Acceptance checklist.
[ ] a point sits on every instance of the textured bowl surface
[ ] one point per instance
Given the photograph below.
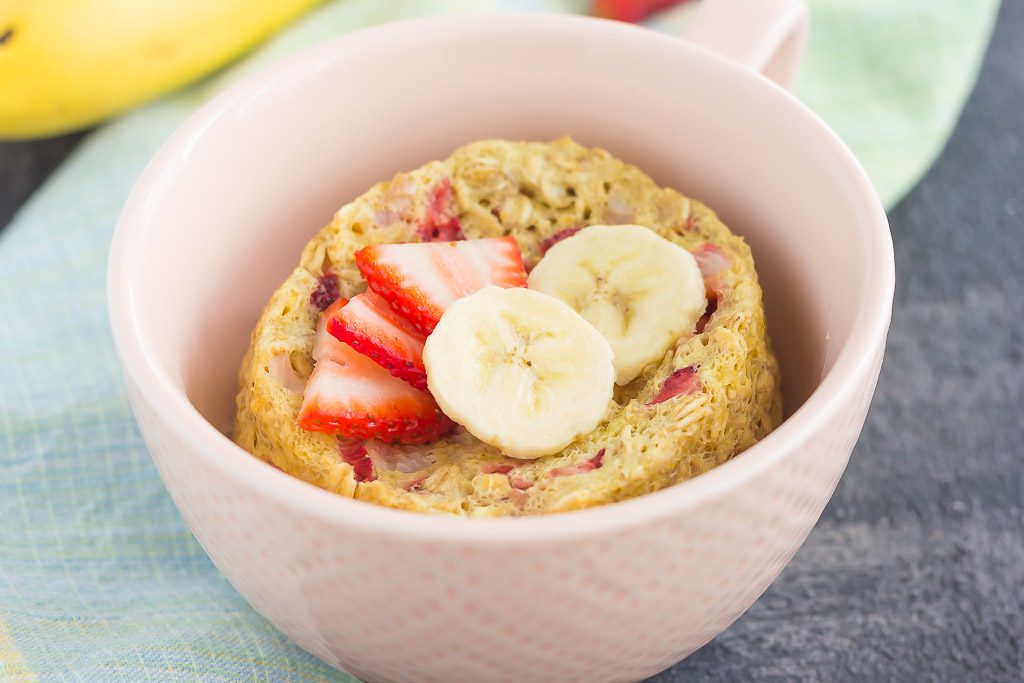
(614, 593)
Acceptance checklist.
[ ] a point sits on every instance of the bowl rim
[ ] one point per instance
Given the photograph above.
(157, 387)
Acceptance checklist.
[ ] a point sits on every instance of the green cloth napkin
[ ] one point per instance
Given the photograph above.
(99, 578)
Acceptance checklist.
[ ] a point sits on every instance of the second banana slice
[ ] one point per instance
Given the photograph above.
(641, 291)
(519, 370)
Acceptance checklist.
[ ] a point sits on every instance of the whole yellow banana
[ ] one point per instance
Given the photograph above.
(66, 64)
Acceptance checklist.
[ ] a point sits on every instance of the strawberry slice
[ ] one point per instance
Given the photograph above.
(359, 399)
(420, 281)
(369, 326)
(351, 395)
(629, 10)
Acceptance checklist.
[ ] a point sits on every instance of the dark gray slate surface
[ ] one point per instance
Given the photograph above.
(23, 165)
(916, 569)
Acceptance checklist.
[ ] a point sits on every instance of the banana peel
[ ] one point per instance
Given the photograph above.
(68, 64)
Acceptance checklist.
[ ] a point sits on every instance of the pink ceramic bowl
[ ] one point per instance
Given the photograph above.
(609, 594)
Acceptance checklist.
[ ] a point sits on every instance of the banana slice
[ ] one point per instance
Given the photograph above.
(639, 290)
(520, 370)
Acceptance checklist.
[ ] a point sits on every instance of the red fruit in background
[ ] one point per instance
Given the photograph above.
(629, 10)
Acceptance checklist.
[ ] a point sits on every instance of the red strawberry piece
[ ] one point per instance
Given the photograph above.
(354, 453)
(325, 292)
(441, 202)
(495, 468)
(680, 383)
(557, 237)
(368, 325)
(420, 281)
(417, 483)
(711, 259)
(629, 10)
(712, 293)
(585, 466)
(447, 231)
(519, 483)
(441, 224)
(349, 394)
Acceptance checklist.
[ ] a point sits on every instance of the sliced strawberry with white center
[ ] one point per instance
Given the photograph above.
(359, 399)
(351, 395)
(369, 325)
(420, 281)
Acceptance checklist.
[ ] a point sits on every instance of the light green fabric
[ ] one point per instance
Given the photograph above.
(99, 578)
(890, 76)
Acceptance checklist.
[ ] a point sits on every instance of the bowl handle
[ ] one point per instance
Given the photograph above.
(767, 36)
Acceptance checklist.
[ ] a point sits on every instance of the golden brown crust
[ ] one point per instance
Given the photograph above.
(530, 191)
